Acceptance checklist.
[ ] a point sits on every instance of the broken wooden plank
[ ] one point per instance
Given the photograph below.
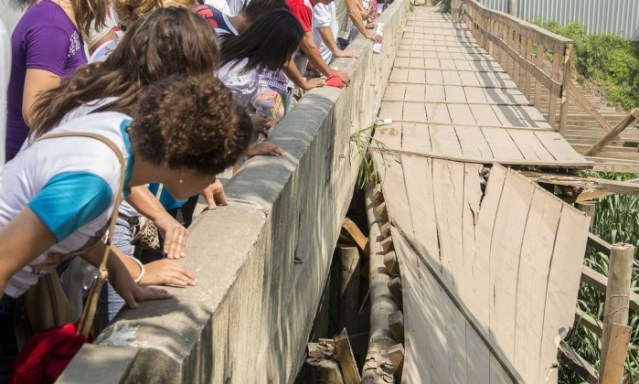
(588, 322)
(356, 234)
(612, 363)
(346, 359)
(623, 124)
(585, 183)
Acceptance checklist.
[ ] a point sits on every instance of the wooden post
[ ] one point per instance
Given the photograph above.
(349, 289)
(557, 62)
(616, 307)
(564, 103)
(539, 62)
(356, 234)
(623, 124)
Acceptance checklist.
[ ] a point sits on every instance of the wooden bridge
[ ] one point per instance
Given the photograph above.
(490, 260)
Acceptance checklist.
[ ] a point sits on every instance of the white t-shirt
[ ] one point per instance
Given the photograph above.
(70, 183)
(243, 85)
(5, 69)
(324, 16)
(221, 5)
(235, 6)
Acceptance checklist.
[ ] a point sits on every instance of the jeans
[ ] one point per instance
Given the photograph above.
(110, 302)
(8, 345)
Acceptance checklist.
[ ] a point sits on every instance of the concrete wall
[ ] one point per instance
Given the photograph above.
(261, 262)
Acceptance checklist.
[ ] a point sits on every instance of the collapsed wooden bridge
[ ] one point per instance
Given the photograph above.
(490, 261)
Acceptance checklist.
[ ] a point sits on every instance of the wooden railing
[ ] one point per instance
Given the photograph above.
(535, 58)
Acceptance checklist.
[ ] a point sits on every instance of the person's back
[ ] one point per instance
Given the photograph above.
(44, 39)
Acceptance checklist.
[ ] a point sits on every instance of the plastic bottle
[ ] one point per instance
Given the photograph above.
(377, 47)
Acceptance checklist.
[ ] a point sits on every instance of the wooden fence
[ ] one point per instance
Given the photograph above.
(536, 59)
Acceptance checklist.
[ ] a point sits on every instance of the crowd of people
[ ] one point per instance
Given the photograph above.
(180, 90)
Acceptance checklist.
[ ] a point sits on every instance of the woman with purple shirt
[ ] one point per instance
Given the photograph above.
(46, 46)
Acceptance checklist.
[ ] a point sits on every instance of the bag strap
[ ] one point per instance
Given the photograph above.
(91, 306)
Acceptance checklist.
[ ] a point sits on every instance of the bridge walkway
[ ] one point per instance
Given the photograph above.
(490, 262)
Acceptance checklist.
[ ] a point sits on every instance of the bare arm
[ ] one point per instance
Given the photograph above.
(327, 36)
(21, 241)
(314, 57)
(355, 12)
(36, 81)
(294, 74)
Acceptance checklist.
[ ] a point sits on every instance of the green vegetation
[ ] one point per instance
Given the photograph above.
(616, 220)
(611, 62)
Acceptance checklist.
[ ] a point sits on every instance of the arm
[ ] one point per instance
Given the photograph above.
(120, 277)
(36, 81)
(355, 12)
(294, 74)
(175, 235)
(22, 240)
(327, 36)
(314, 57)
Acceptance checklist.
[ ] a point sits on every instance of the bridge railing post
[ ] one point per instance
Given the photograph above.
(564, 103)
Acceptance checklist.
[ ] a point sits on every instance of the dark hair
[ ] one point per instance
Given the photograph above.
(166, 41)
(256, 9)
(190, 122)
(267, 43)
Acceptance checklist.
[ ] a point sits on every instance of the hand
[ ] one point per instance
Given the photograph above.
(375, 37)
(371, 25)
(341, 53)
(167, 272)
(214, 195)
(313, 83)
(128, 289)
(260, 123)
(265, 148)
(344, 76)
(175, 236)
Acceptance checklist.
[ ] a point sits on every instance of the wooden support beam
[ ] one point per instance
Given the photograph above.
(382, 212)
(356, 234)
(584, 103)
(616, 310)
(604, 247)
(387, 244)
(349, 289)
(385, 229)
(600, 282)
(577, 363)
(396, 325)
(346, 359)
(390, 261)
(396, 355)
(588, 322)
(623, 124)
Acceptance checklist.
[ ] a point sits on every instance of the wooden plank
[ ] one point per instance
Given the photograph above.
(473, 143)
(435, 94)
(586, 184)
(448, 187)
(600, 282)
(530, 146)
(623, 124)
(507, 238)
(416, 137)
(502, 145)
(444, 140)
(392, 179)
(484, 115)
(415, 112)
(455, 94)
(356, 234)
(395, 92)
(461, 114)
(535, 255)
(346, 359)
(419, 187)
(558, 146)
(563, 284)
(612, 367)
(588, 322)
(415, 92)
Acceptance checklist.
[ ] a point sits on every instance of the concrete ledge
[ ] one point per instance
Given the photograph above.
(261, 262)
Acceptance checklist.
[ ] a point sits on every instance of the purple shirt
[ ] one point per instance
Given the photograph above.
(44, 38)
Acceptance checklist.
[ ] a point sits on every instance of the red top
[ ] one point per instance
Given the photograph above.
(303, 10)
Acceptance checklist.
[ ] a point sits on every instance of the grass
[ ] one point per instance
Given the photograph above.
(611, 62)
(616, 220)
(368, 170)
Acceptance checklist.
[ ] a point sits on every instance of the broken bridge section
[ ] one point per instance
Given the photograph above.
(490, 261)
